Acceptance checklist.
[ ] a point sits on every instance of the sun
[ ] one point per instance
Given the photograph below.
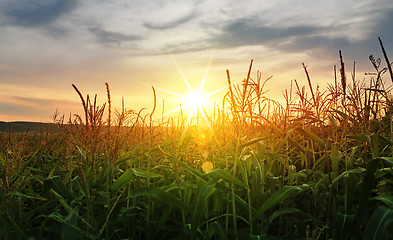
(195, 101)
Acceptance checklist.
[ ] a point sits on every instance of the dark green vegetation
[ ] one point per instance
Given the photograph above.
(317, 167)
(25, 126)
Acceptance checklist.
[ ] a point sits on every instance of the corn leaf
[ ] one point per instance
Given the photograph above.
(56, 184)
(280, 212)
(201, 205)
(351, 171)
(145, 174)
(123, 180)
(311, 135)
(387, 199)
(277, 197)
(379, 224)
(226, 176)
(161, 195)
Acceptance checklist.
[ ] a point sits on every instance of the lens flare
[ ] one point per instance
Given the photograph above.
(196, 101)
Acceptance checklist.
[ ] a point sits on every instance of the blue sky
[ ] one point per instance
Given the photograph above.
(46, 45)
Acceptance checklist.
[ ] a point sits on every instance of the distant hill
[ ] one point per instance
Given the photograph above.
(25, 126)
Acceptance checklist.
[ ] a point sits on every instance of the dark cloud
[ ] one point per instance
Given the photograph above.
(170, 24)
(108, 37)
(302, 43)
(242, 33)
(37, 13)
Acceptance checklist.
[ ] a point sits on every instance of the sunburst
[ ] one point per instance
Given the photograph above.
(195, 100)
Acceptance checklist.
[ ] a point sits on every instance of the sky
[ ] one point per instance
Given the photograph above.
(48, 45)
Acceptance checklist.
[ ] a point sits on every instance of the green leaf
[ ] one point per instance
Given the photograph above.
(387, 199)
(378, 225)
(265, 236)
(189, 169)
(161, 195)
(335, 157)
(361, 137)
(68, 232)
(226, 176)
(145, 174)
(201, 205)
(56, 184)
(69, 209)
(16, 193)
(311, 135)
(344, 223)
(219, 230)
(277, 197)
(16, 226)
(351, 171)
(280, 212)
(123, 180)
(388, 160)
(59, 218)
(367, 186)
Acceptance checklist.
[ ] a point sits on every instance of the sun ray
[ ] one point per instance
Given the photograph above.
(196, 100)
(164, 90)
(172, 111)
(182, 74)
(202, 84)
(216, 91)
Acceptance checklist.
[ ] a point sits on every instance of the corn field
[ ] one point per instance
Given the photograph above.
(319, 166)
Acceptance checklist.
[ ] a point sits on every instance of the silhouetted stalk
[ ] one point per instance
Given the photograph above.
(83, 103)
(309, 83)
(343, 77)
(232, 97)
(245, 85)
(386, 59)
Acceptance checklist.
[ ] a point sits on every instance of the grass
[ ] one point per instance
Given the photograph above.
(317, 167)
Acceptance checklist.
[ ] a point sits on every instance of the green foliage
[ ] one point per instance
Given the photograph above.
(319, 167)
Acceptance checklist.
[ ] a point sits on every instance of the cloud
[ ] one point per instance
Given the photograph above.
(37, 13)
(109, 37)
(17, 108)
(170, 15)
(170, 24)
(242, 33)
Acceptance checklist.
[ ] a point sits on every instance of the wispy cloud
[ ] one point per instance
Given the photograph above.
(170, 14)
(109, 37)
(243, 33)
(37, 13)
